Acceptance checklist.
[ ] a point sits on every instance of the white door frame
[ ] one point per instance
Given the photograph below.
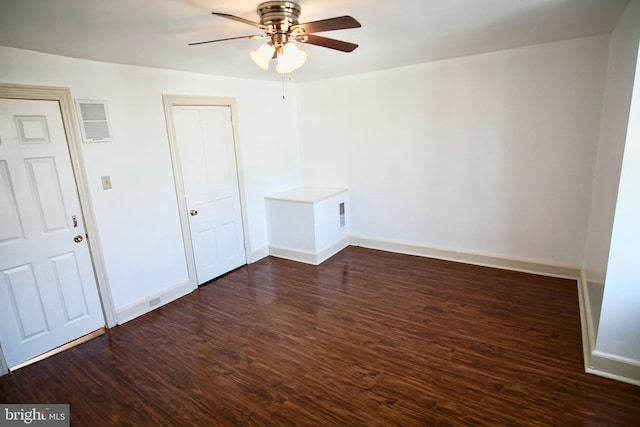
(170, 101)
(63, 96)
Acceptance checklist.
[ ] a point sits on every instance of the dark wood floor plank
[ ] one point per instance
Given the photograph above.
(367, 338)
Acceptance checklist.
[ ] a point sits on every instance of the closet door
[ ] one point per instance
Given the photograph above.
(206, 148)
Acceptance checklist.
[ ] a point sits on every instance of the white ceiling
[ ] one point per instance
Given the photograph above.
(155, 33)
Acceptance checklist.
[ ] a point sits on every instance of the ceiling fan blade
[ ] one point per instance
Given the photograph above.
(339, 23)
(237, 18)
(229, 38)
(327, 42)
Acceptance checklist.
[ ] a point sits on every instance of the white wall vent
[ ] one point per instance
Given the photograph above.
(94, 120)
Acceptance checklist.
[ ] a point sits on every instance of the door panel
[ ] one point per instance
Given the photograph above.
(204, 138)
(48, 293)
(43, 179)
(206, 248)
(230, 245)
(67, 274)
(10, 226)
(26, 301)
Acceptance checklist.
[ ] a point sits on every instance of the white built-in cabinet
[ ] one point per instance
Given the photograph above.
(308, 224)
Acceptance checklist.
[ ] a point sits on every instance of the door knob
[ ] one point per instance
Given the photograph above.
(193, 212)
(77, 238)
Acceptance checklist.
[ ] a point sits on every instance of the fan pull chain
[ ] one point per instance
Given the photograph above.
(282, 75)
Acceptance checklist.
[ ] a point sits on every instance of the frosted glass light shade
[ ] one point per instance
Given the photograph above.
(262, 56)
(290, 59)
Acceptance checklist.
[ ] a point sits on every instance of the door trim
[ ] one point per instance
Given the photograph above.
(63, 96)
(170, 101)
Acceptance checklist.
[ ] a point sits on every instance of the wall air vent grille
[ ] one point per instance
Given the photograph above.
(94, 121)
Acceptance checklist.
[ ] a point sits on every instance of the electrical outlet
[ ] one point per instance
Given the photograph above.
(106, 183)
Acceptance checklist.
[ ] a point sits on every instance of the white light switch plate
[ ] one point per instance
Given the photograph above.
(106, 183)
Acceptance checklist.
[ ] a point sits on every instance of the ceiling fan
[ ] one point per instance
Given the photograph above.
(279, 22)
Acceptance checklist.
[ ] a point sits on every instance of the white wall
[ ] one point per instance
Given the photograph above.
(619, 332)
(613, 129)
(491, 154)
(138, 218)
(618, 337)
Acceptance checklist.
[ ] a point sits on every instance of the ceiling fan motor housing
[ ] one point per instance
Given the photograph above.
(279, 14)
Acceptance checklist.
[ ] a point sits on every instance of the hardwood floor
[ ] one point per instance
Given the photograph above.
(367, 338)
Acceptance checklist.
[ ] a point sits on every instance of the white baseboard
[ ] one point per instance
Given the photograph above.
(588, 313)
(586, 321)
(138, 309)
(614, 367)
(598, 362)
(293, 255)
(314, 258)
(257, 255)
(331, 250)
(525, 266)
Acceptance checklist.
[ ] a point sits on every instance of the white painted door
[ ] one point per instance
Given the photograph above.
(204, 136)
(48, 293)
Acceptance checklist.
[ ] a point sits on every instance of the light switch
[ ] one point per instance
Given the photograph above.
(106, 183)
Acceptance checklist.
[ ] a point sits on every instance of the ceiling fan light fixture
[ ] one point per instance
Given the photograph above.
(262, 56)
(279, 22)
(291, 58)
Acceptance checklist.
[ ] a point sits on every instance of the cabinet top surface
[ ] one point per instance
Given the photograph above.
(306, 194)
